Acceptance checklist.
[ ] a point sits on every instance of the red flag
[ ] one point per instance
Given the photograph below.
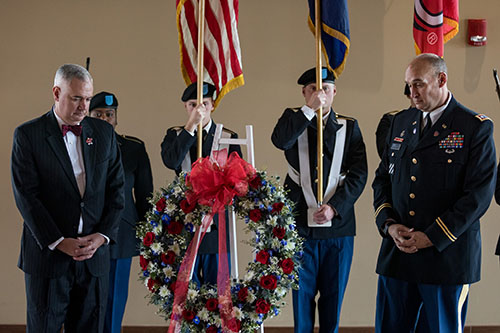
(222, 54)
(434, 23)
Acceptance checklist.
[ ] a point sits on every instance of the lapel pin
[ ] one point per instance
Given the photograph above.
(444, 125)
(414, 123)
(436, 133)
(89, 141)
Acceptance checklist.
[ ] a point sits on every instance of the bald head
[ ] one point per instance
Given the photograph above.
(427, 77)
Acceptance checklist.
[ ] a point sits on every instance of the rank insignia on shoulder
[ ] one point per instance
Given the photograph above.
(483, 117)
(452, 141)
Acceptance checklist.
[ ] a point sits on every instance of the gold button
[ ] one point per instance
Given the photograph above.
(414, 160)
(449, 161)
(392, 154)
(412, 213)
(412, 196)
(413, 178)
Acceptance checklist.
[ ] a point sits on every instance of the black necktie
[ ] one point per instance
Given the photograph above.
(76, 129)
(427, 127)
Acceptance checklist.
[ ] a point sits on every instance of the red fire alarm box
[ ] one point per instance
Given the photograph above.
(476, 34)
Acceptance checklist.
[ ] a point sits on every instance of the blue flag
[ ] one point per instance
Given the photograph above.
(334, 32)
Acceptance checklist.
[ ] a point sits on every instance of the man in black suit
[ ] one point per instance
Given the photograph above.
(138, 186)
(67, 179)
(435, 181)
(179, 151)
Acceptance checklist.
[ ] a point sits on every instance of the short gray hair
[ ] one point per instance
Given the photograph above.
(68, 72)
(434, 61)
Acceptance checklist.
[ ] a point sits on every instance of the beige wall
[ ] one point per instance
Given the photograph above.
(134, 50)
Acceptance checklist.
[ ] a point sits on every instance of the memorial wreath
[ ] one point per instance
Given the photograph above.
(181, 213)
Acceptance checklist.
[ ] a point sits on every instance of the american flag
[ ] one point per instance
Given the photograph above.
(222, 54)
(434, 23)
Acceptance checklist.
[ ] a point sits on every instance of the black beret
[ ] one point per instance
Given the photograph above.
(407, 90)
(191, 91)
(309, 76)
(104, 100)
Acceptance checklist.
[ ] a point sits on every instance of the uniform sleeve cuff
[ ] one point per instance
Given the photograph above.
(308, 112)
(54, 245)
(105, 237)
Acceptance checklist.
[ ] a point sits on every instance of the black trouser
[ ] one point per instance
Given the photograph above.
(77, 299)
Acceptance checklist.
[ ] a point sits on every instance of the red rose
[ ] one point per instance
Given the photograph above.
(188, 315)
(161, 204)
(175, 227)
(279, 232)
(262, 257)
(186, 207)
(144, 263)
(211, 304)
(255, 215)
(277, 207)
(262, 306)
(168, 258)
(287, 265)
(269, 282)
(242, 294)
(211, 329)
(151, 284)
(256, 182)
(148, 239)
(234, 325)
(172, 286)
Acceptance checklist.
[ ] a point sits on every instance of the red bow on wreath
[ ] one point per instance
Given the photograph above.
(212, 183)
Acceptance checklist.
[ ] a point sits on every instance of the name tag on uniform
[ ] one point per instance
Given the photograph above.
(395, 146)
(310, 220)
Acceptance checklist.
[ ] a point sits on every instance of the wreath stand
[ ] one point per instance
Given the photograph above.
(219, 143)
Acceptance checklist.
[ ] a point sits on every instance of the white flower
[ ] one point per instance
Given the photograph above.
(170, 207)
(247, 204)
(290, 246)
(175, 248)
(273, 221)
(280, 292)
(275, 244)
(164, 292)
(156, 247)
(192, 294)
(249, 275)
(158, 229)
(189, 218)
(250, 297)
(177, 190)
(237, 313)
(168, 271)
(254, 316)
(203, 314)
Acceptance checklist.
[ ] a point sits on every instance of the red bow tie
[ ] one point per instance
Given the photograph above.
(76, 129)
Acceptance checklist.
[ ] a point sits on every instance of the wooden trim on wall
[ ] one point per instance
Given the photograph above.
(160, 329)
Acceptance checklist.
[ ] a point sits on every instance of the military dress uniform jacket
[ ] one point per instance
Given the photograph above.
(176, 144)
(497, 199)
(440, 184)
(138, 188)
(48, 197)
(290, 126)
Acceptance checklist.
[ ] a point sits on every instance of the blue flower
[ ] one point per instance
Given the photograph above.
(196, 320)
(167, 280)
(283, 242)
(157, 212)
(291, 227)
(153, 223)
(165, 218)
(276, 311)
(145, 273)
(189, 227)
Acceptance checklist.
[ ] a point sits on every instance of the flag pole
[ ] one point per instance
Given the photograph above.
(319, 116)
(201, 44)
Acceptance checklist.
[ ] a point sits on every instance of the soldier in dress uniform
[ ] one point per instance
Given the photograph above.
(385, 124)
(433, 184)
(497, 199)
(328, 230)
(179, 151)
(138, 185)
